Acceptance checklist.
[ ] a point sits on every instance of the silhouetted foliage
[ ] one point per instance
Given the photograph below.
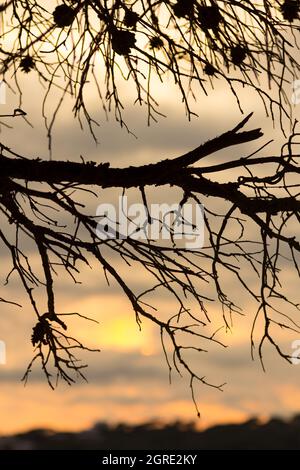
(72, 44)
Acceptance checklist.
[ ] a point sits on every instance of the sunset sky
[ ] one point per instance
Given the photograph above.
(128, 379)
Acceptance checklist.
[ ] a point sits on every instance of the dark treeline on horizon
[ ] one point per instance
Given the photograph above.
(252, 434)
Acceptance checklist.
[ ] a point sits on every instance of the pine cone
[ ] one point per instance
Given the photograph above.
(122, 41)
(40, 330)
(27, 64)
(238, 54)
(63, 15)
(130, 19)
(209, 17)
(184, 8)
(290, 10)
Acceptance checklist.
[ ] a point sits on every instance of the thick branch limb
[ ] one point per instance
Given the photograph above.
(167, 172)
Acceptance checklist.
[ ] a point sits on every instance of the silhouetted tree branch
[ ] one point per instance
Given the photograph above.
(181, 272)
(74, 44)
(196, 43)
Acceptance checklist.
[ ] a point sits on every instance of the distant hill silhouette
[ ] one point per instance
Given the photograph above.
(274, 434)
